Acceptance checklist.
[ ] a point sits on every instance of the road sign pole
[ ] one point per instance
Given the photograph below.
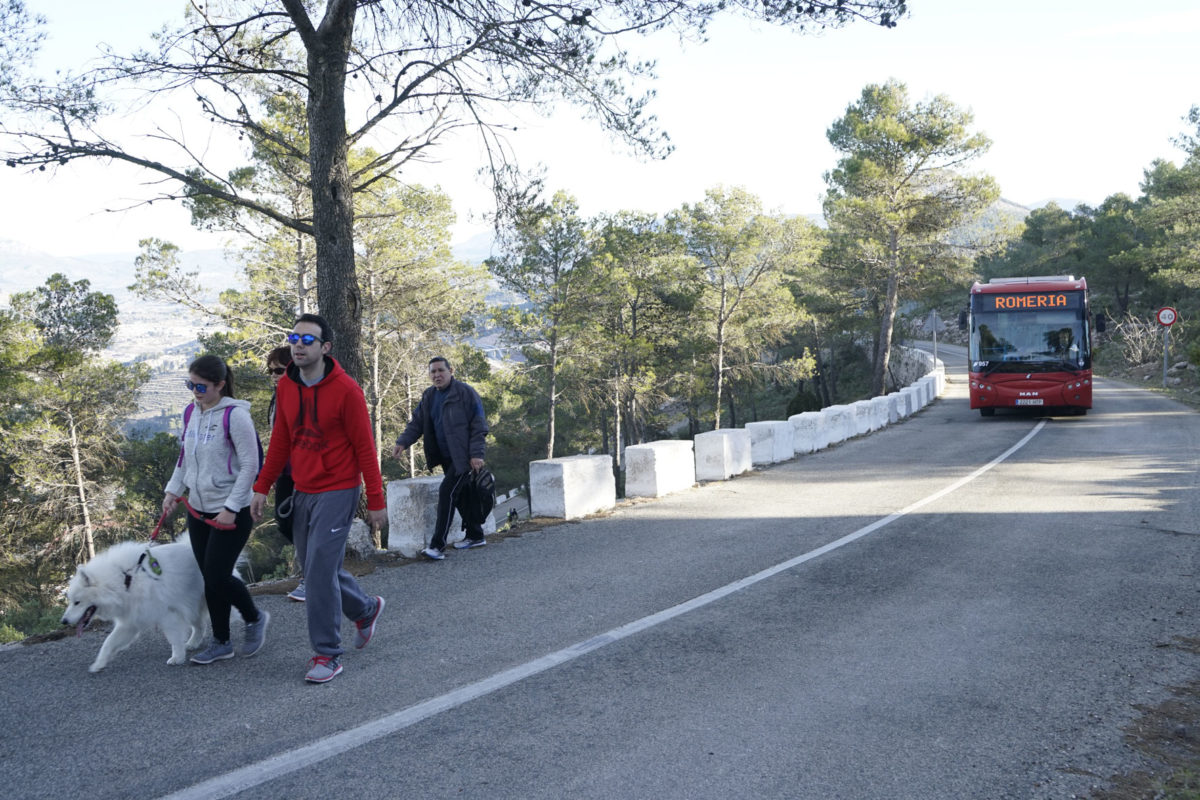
(1166, 351)
(1166, 317)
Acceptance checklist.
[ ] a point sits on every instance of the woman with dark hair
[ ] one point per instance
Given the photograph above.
(218, 461)
(277, 361)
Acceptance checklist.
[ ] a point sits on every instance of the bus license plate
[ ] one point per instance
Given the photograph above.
(1029, 401)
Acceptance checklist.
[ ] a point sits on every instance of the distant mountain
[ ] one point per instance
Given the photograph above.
(23, 268)
(1065, 203)
(475, 249)
(158, 333)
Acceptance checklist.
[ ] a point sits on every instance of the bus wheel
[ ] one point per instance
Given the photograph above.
(987, 412)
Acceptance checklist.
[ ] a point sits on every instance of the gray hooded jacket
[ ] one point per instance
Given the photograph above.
(205, 472)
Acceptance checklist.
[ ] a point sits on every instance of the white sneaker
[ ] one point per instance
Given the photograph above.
(433, 554)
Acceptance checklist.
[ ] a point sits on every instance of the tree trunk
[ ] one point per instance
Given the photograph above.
(303, 280)
(410, 406)
(373, 389)
(720, 378)
(617, 452)
(89, 538)
(553, 396)
(887, 321)
(333, 207)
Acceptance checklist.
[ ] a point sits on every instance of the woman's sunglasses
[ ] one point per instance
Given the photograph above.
(198, 388)
(305, 338)
(276, 370)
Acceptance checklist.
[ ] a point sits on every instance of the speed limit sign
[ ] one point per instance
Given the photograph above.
(1166, 316)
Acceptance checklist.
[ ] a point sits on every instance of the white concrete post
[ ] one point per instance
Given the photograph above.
(862, 416)
(770, 442)
(806, 431)
(879, 412)
(722, 453)
(658, 468)
(895, 405)
(571, 487)
(842, 425)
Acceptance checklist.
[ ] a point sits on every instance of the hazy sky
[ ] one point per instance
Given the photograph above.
(1078, 97)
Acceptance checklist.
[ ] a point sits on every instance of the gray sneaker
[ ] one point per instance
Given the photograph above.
(433, 554)
(297, 594)
(322, 669)
(467, 544)
(364, 628)
(216, 651)
(256, 635)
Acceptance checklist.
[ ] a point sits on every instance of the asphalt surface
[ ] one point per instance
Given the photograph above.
(951, 607)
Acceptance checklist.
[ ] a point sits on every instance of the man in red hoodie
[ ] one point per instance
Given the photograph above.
(323, 428)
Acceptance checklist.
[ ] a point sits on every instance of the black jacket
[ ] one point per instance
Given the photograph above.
(463, 422)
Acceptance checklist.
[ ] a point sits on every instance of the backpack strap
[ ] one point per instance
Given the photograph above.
(229, 438)
(187, 417)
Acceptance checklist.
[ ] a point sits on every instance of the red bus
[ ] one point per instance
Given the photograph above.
(1030, 344)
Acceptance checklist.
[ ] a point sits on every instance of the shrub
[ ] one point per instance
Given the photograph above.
(803, 401)
(1139, 341)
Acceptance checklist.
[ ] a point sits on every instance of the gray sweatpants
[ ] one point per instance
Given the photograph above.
(320, 525)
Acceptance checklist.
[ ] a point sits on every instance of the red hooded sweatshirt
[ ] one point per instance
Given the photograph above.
(325, 432)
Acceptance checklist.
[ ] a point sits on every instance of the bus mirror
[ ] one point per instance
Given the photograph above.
(962, 320)
(1100, 322)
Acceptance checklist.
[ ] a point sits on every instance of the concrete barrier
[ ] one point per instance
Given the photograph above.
(908, 364)
(806, 432)
(658, 468)
(412, 515)
(722, 453)
(928, 387)
(894, 407)
(571, 487)
(770, 442)
(862, 416)
(840, 423)
(879, 412)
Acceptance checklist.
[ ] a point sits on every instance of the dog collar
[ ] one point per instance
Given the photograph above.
(146, 561)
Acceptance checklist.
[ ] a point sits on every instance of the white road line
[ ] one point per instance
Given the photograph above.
(288, 762)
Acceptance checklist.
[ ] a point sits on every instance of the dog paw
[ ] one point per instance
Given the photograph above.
(173, 661)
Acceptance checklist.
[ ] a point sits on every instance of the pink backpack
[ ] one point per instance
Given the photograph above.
(187, 417)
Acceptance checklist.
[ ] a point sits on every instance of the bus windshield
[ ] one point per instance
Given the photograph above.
(1029, 341)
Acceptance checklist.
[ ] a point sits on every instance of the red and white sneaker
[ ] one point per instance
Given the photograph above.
(365, 628)
(322, 669)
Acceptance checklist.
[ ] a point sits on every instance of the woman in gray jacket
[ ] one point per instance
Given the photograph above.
(218, 461)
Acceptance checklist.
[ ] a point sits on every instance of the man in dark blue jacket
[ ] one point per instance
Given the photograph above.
(450, 418)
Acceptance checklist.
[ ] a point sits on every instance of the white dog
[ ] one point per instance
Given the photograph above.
(140, 588)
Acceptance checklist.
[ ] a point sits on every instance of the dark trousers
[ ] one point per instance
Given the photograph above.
(450, 498)
(216, 552)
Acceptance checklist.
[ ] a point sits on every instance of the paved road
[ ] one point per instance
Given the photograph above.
(953, 607)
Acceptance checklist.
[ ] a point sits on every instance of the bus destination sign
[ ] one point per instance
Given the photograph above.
(1040, 301)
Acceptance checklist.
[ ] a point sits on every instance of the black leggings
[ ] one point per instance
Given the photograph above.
(216, 552)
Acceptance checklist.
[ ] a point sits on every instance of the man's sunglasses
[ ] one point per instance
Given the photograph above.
(198, 388)
(276, 370)
(305, 338)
